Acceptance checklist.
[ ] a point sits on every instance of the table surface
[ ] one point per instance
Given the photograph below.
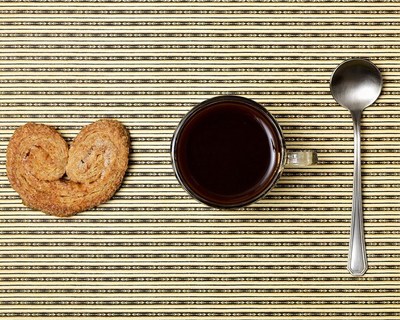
(153, 252)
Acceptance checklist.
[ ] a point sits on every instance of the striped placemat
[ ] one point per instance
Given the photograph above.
(153, 252)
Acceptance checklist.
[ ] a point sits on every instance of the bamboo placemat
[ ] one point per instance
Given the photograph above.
(153, 251)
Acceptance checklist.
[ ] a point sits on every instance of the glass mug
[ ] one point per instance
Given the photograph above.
(229, 151)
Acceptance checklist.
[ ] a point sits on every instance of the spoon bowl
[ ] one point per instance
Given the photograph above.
(356, 84)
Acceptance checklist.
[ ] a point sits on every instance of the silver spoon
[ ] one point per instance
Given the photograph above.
(356, 84)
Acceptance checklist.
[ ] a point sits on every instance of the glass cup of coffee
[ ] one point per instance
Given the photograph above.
(229, 151)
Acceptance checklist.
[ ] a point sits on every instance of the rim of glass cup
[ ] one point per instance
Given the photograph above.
(204, 104)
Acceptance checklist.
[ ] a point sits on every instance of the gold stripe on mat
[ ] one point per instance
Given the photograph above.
(153, 252)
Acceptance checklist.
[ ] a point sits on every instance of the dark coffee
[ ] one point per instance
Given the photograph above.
(227, 151)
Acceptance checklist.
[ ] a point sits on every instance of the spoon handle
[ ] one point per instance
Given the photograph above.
(357, 264)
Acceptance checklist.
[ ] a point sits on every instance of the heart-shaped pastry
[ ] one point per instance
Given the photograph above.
(63, 181)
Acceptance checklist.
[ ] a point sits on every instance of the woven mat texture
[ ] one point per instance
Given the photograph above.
(153, 252)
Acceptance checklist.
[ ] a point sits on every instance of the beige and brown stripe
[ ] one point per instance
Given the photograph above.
(155, 253)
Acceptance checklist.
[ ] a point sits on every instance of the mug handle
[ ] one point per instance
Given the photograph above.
(301, 158)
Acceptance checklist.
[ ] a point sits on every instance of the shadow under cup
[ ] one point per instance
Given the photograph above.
(228, 151)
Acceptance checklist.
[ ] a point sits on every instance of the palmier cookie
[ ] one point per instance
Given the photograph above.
(63, 181)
